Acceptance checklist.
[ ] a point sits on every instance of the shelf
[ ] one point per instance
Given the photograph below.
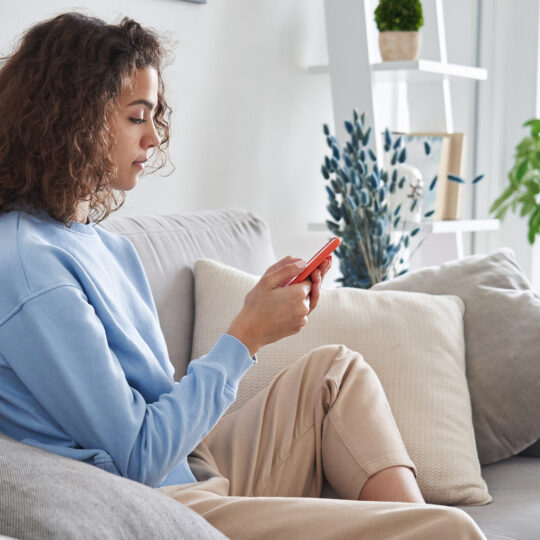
(416, 70)
(464, 225)
(440, 227)
(429, 69)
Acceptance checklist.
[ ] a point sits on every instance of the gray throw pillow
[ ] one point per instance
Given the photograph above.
(48, 496)
(502, 343)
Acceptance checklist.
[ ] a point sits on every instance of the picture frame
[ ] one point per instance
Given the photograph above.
(445, 157)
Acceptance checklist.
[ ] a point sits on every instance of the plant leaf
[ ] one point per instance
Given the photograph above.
(535, 126)
(534, 225)
(507, 193)
(387, 138)
(521, 170)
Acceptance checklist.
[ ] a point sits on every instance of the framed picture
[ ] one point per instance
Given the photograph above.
(445, 157)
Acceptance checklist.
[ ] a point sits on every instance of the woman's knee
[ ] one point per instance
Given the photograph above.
(337, 363)
(338, 352)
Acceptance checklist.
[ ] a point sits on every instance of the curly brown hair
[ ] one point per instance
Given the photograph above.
(58, 92)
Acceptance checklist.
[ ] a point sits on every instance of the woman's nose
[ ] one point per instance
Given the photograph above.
(151, 138)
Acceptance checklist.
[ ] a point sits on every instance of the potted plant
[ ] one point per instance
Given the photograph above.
(375, 226)
(524, 188)
(398, 22)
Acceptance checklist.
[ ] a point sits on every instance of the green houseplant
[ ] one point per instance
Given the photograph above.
(399, 22)
(524, 188)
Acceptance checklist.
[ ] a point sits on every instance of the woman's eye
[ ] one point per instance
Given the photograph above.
(138, 120)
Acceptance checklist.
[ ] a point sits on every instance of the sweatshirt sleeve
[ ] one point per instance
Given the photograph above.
(58, 348)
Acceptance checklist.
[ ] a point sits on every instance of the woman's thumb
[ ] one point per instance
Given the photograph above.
(286, 273)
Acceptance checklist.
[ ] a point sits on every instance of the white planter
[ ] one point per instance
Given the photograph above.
(399, 45)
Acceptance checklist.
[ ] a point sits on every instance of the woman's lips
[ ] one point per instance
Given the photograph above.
(139, 165)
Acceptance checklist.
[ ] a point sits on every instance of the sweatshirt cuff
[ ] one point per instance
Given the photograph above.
(233, 355)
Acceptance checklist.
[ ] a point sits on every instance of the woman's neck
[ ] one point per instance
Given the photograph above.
(82, 211)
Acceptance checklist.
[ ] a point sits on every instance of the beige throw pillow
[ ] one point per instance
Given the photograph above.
(413, 341)
(502, 344)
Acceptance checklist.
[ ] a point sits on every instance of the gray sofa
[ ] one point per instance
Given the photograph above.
(46, 496)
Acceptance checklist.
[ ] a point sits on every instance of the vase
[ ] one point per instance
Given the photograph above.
(399, 45)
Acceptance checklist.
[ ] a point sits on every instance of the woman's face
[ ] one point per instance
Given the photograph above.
(134, 128)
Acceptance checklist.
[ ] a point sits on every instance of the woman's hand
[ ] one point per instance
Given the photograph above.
(316, 281)
(271, 311)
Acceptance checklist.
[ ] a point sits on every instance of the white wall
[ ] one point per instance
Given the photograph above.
(247, 121)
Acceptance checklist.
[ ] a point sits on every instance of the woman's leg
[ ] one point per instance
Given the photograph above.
(327, 413)
(298, 518)
(263, 464)
(392, 484)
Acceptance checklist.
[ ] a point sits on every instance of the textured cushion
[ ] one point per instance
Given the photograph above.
(168, 246)
(413, 341)
(502, 337)
(48, 496)
(513, 514)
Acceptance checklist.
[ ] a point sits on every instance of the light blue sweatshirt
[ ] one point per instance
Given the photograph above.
(84, 369)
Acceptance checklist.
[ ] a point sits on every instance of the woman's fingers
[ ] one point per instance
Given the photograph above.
(316, 281)
(325, 266)
(282, 262)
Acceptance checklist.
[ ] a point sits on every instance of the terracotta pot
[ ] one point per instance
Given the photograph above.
(399, 45)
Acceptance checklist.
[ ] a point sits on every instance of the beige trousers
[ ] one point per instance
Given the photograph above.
(261, 469)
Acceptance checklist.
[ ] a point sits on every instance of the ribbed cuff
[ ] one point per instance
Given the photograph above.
(233, 355)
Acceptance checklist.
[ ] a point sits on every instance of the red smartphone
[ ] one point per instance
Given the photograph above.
(316, 260)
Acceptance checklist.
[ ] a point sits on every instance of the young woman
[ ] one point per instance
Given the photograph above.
(84, 370)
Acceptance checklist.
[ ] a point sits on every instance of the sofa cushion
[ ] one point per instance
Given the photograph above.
(502, 337)
(168, 246)
(413, 341)
(513, 514)
(44, 495)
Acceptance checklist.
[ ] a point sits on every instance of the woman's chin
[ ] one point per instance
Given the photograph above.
(126, 184)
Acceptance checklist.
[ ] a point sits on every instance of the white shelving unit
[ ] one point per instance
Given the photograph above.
(416, 70)
(424, 70)
(356, 72)
(356, 77)
(447, 243)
